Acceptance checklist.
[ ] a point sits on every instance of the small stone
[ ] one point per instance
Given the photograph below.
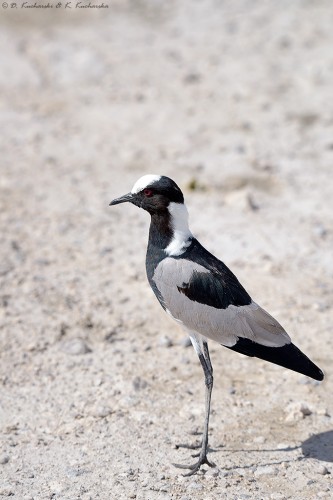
(4, 459)
(282, 446)
(101, 411)
(323, 411)
(72, 472)
(195, 486)
(111, 336)
(259, 440)
(165, 341)
(320, 306)
(266, 471)
(242, 199)
(297, 411)
(322, 470)
(212, 472)
(186, 342)
(139, 384)
(191, 78)
(56, 488)
(320, 231)
(75, 347)
(6, 490)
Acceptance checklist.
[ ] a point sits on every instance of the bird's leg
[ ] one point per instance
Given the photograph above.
(207, 358)
(204, 358)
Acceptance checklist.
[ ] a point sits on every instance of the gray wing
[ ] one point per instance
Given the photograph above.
(225, 324)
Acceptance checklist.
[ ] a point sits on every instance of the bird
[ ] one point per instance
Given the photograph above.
(202, 294)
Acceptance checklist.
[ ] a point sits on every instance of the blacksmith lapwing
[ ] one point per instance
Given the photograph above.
(199, 291)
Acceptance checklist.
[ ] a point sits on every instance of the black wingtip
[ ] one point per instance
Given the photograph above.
(320, 374)
(288, 356)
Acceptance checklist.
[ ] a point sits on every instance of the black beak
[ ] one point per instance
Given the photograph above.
(127, 197)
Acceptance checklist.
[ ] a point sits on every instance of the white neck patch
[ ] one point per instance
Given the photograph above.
(143, 182)
(181, 232)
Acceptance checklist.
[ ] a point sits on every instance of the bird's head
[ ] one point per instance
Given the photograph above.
(153, 193)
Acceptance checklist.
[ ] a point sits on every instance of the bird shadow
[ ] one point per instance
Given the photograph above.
(319, 446)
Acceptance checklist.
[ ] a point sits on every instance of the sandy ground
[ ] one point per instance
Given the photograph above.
(232, 99)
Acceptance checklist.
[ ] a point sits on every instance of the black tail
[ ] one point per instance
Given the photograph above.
(288, 356)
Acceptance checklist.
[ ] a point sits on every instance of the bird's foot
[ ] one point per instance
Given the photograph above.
(195, 467)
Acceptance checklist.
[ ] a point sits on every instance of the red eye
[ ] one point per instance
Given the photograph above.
(148, 192)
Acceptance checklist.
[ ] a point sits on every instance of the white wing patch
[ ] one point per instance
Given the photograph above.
(144, 181)
(222, 325)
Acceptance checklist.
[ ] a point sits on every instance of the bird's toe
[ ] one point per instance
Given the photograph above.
(195, 467)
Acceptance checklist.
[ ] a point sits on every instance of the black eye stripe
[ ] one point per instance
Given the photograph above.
(168, 190)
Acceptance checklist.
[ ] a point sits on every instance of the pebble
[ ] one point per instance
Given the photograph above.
(186, 342)
(165, 341)
(56, 488)
(213, 472)
(322, 470)
(259, 440)
(320, 230)
(242, 199)
(139, 383)
(323, 411)
(320, 306)
(72, 472)
(4, 459)
(266, 471)
(297, 411)
(101, 411)
(191, 78)
(282, 446)
(75, 347)
(195, 486)
(6, 491)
